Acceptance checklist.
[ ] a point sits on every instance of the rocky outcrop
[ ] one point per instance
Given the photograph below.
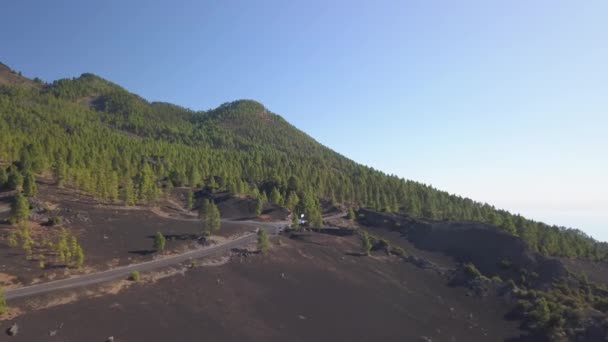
(491, 250)
(13, 330)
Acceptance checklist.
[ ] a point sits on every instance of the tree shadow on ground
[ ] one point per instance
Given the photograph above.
(527, 338)
(250, 218)
(54, 266)
(303, 238)
(142, 252)
(357, 254)
(244, 251)
(175, 237)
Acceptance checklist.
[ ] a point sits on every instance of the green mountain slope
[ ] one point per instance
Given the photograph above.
(96, 136)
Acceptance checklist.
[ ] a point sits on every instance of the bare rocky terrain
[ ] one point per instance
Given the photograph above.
(316, 286)
(300, 291)
(310, 286)
(111, 235)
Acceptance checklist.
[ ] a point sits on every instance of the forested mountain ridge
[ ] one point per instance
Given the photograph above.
(95, 135)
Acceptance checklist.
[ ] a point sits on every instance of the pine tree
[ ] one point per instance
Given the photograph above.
(78, 256)
(332, 198)
(264, 197)
(213, 186)
(413, 206)
(189, 200)
(29, 185)
(177, 177)
(20, 209)
(241, 187)
(211, 220)
(159, 242)
(12, 239)
(3, 306)
(232, 186)
(350, 214)
(60, 172)
(541, 313)
(494, 218)
(15, 179)
(128, 193)
(62, 247)
(73, 246)
(3, 178)
(366, 244)
(203, 209)
(146, 187)
(194, 176)
(429, 208)
(293, 184)
(214, 218)
(113, 187)
(509, 226)
(255, 192)
(27, 243)
(263, 241)
(295, 221)
(259, 206)
(275, 196)
(292, 201)
(310, 207)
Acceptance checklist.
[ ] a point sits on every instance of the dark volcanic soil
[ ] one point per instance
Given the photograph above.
(111, 235)
(300, 291)
(595, 271)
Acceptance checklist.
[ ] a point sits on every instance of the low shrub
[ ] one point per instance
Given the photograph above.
(506, 264)
(135, 276)
(55, 220)
(472, 271)
(497, 279)
(396, 250)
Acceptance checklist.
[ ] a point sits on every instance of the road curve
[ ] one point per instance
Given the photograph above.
(123, 271)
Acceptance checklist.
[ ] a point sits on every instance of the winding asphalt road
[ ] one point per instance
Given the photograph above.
(124, 271)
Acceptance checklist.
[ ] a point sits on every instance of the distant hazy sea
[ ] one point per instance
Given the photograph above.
(594, 223)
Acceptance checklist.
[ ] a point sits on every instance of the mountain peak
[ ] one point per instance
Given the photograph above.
(243, 111)
(245, 106)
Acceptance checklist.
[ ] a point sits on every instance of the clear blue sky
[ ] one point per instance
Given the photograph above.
(501, 101)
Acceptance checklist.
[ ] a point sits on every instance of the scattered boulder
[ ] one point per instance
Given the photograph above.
(424, 264)
(485, 245)
(13, 330)
(241, 252)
